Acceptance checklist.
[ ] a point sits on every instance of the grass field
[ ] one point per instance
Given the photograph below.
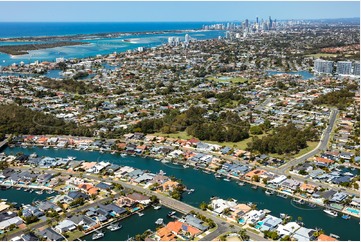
(311, 146)
(318, 55)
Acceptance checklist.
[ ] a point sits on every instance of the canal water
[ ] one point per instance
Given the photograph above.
(20, 196)
(206, 185)
(134, 225)
(305, 74)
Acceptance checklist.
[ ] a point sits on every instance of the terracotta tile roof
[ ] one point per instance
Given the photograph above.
(324, 237)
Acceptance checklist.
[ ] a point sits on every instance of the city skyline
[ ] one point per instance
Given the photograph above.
(174, 11)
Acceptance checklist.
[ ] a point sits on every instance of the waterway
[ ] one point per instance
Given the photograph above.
(136, 225)
(206, 185)
(304, 74)
(104, 46)
(20, 196)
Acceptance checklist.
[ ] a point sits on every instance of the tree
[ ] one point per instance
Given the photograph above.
(203, 206)
(243, 234)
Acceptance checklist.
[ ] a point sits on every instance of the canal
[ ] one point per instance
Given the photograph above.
(206, 185)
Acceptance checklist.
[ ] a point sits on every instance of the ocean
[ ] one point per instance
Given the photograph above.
(97, 46)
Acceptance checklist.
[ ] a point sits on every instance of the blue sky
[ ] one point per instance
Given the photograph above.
(172, 11)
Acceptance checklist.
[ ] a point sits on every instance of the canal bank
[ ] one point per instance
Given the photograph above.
(206, 186)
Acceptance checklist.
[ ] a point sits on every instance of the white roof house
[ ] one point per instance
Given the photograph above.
(287, 229)
(304, 234)
(6, 223)
(219, 205)
(65, 225)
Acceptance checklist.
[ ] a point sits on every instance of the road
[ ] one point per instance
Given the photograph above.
(222, 225)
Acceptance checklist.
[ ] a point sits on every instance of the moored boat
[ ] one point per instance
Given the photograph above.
(346, 216)
(159, 221)
(330, 212)
(114, 227)
(170, 214)
(241, 183)
(97, 235)
(269, 192)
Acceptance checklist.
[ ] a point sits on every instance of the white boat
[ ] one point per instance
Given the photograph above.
(114, 227)
(282, 195)
(190, 191)
(98, 235)
(241, 183)
(123, 155)
(140, 214)
(226, 179)
(39, 192)
(159, 221)
(330, 212)
(254, 187)
(170, 214)
(164, 161)
(218, 176)
(71, 158)
(46, 147)
(185, 166)
(207, 172)
(335, 236)
(33, 155)
(269, 192)
(299, 201)
(157, 207)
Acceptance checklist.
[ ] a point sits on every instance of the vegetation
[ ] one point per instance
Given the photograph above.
(70, 85)
(20, 120)
(285, 139)
(23, 49)
(340, 99)
(225, 127)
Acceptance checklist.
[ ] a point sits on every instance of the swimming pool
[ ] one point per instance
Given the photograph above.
(352, 210)
(259, 224)
(241, 221)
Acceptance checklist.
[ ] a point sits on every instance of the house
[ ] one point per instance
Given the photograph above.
(239, 210)
(256, 172)
(270, 223)
(338, 197)
(113, 209)
(47, 205)
(44, 178)
(305, 187)
(290, 184)
(104, 186)
(51, 235)
(5, 224)
(287, 229)
(277, 180)
(77, 194)
(254, 216)
(65, 226)
(323, 161)
(29, 237)
(304, 234)
(219, 205)
(179, 229)
(137, 197)
(195, 222)
(84, 221)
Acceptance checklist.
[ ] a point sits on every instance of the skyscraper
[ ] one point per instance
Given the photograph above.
(323, 66)
(356, 68)
(246, 23)
(186, 38)
(344, 67)
(270, 22)
(257, 20)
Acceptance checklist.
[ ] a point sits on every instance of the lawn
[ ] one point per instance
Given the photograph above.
(318, 55)
(74, 235)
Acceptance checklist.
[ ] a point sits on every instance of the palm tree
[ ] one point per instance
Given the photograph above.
(242, 233)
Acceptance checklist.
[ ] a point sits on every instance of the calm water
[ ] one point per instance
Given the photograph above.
(305, 74)
(135, 225)
(20, 196)
(206, 185)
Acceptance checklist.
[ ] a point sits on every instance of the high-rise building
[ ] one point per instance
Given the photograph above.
(344, 67)
(270, 22)
(187, 38)
(170, 40)
(323, 66)
(257, 20)
(228, 35)
(246, 23)
(356, 69)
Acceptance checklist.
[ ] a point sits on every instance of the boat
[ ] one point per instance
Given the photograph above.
(190, 191)
(140, 214)
(299, 201)
(269, 192)
(97, 235)
(49, 191)
(185, 166)
(71, 158)
(241, 183)
(312, 205)
(330, 212)
(352, 168)
(218, 176)
(226, 179)
(114, 227)
(26, 189)
(157, 207)
(18, 188)
(335, 236)
(170, 214)
(113, 152)
(39, 192)
(31, 190)
(46, 147)
(346, 216)
(164, 161)
(282, 195)
(254, 187)
(159, 221)
(33, 155)
(207, 172)
(195, 168)
(123, 155)
(250, 204)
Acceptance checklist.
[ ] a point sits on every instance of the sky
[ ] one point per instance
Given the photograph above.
(172, 11)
